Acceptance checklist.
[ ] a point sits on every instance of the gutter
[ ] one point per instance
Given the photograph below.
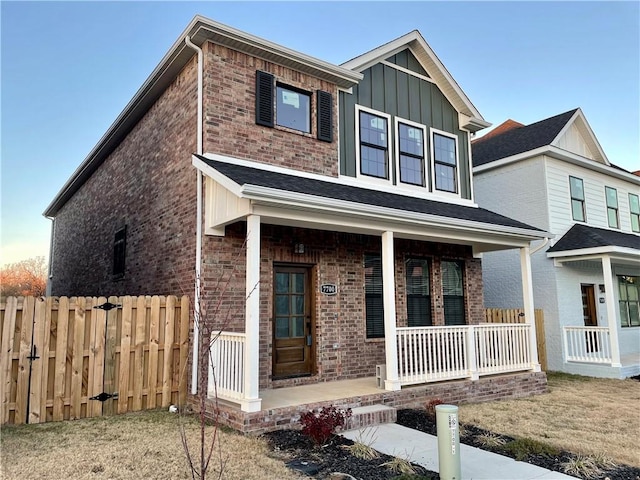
(198, 260)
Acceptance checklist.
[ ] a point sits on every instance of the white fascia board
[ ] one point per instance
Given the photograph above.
(294, 199)
(345, 180)
(588, 253)
(223, 180)
(509, 160)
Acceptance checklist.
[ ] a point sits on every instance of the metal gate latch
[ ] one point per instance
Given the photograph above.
(103, 397)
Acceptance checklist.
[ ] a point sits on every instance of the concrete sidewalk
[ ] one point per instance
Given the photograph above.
(422, 448)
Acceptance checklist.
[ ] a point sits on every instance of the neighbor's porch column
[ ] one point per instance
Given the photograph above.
(389, 301)
(612, 317)
(529, 309)
(251, 402)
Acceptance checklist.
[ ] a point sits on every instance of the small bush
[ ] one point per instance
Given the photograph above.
(431, 405)
(400, 465)
(582, 467)
(319, 427)
(490, 440)
(521, 448)
(362, 448)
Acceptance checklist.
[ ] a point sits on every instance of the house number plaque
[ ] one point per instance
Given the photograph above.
(328, 289)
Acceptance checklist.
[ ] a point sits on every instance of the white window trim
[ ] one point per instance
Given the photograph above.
(432, 132)
(368, 178)
(584, 201)
(425, 158)
(607, 207)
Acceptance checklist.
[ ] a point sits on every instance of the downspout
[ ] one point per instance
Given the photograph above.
(539, 247)
(196, 298)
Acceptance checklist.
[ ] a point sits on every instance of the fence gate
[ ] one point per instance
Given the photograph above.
(68, 358)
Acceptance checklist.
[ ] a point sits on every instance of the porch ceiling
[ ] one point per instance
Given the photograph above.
(324, 203)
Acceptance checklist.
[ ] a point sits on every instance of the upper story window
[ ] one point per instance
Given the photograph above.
(418, 292)
(576, 187)
(411, 152)
(373, 138)
(293, 108)
(119, 251)
(612, 207)
(444, 148)
(634, 208)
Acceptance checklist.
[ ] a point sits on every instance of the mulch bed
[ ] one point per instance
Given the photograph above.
(323, 462)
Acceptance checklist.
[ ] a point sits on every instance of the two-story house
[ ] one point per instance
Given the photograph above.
(330, 216)
(554, 174)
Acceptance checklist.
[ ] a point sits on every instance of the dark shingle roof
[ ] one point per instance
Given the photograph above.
(243, 175)
(582, 236)
(519, 140)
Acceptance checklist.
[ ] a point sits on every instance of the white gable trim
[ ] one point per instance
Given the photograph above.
(590, 138)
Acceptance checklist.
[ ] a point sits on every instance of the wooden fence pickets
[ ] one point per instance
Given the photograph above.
(138, 351)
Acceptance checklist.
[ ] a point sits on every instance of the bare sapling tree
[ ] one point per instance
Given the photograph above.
(211, 317)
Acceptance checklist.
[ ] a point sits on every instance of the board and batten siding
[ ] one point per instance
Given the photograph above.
(560, 219)
(399, 94)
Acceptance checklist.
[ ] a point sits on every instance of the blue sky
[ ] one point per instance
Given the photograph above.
(69, 68)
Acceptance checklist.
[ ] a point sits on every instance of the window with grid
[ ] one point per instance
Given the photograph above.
(629, 300)
(374, 305)
(453, 292)
(411, 154)
(374, 145)
(418, 292)
(634, 209)
(612, 207)
(576, 188)
(445, 160)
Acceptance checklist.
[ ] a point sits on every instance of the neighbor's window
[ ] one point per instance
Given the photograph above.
(374, 145)
(119, 251)
(293, 109)
(576, 188)
(418, 292)
(411, 154)
(612, 207)
(453, 292)
(374, 305)
(634, 208)
(445, 162)
(629, 300)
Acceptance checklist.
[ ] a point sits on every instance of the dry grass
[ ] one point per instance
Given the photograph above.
(131, 446)
(584, 415)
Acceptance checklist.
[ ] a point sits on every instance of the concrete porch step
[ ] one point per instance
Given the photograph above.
(370, 415)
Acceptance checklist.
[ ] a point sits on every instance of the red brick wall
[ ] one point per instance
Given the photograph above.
(230, 123)
(147, 184)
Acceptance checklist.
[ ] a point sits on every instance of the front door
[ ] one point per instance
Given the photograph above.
(292, 322)
(589, 315)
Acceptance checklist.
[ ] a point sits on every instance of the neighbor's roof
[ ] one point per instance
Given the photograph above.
(243, 175)
(519, 139)
(581, 237)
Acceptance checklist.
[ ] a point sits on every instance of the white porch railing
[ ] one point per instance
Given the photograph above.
(587, 344)
(226, 369)
(431, 354)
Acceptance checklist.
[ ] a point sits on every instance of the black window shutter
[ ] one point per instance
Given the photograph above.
(264, 98)
(325, 117)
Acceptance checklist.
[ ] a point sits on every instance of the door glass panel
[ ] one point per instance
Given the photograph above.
(297, 304)
(298, 283)
(282, 283)
(297, 324)
(282, 327)
(282, 305)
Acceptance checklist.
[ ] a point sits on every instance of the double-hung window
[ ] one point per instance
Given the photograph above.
(373, 137)
(418, 292)
(612, 207)
(634, 209)
(576, 188)
(410, 153)
(629, 300)
(374, 306)
(444, 149)
(453, 292)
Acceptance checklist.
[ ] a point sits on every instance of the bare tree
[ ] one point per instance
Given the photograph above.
(25, 278)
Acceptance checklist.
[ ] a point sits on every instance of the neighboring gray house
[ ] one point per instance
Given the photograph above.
(554, 175)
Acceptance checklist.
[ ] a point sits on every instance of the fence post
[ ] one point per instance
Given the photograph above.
(472, 361)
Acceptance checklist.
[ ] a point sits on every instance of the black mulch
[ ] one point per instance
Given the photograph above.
(322, 462)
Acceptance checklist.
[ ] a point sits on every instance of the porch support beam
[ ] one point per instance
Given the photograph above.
(250, 401)
(529, 309)
(612, 317)
(389, 300)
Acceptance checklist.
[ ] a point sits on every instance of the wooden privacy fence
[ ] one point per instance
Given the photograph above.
(68, 358)
(516, 315)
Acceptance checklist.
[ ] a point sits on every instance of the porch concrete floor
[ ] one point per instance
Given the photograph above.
(318, 392)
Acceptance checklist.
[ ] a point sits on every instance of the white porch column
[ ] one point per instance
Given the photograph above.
(250, 401)
(389, 300)
(612, 317)
(529, 309)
